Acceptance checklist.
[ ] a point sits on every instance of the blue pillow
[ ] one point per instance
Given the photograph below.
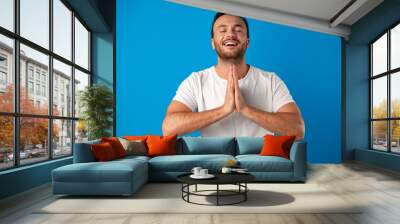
(249, 145)
(206, 145)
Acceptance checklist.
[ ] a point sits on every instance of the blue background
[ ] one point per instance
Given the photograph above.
(158, 44)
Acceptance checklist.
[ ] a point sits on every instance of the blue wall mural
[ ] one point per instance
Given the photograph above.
(160, 43)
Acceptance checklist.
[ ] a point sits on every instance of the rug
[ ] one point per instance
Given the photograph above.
(167, 198)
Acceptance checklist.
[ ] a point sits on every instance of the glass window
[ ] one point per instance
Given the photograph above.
(81, 45)
(379, 56)
(62, 29)
(385, 88)
(37, 89)
(62, 72)
(7, 14)
(34, 80)
(62, 137)
(6, 73)
(395, 95)
(40, 62)
(379, 135)
(3, 78)
(34, 21)
(3, 60)
(30, 72)
(6, 142)
(379, 100)
(43, 90)
(33, 140)
(395, 47)
(30, 87)
(81, 81)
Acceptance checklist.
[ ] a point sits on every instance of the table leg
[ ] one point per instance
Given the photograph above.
(217, 194)
(196, 188)
(245, 193)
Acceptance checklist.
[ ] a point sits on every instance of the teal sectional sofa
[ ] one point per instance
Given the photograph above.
(125, 176)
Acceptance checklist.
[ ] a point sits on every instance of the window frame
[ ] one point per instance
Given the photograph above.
(388, 74)
(16, 114)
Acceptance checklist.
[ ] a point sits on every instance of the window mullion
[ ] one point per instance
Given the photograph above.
(389, 112)
(73, 82)
(50, 80)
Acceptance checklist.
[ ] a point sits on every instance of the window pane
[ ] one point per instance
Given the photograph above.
(81, 45)
(34, 78)
(379, 55)
(7, 14)
(35, 21)
(395, 136)
(379, 135)
(6, 74)
(81, 131)
(81, 81)
(33, 140)
(395, 94)
(62, 89)
(395, 47)
(6, 142)
(379, 100)
(62, 29)
(62, 137)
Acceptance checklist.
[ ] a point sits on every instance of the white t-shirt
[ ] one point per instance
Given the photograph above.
(205, 90)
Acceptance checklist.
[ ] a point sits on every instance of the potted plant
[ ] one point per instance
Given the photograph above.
(96, 102)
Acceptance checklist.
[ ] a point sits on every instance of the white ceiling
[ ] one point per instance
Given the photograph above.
(327, 16)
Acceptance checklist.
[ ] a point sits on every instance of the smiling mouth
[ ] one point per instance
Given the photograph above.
(230, 43)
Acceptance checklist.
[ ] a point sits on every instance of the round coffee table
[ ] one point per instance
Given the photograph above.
(238, 179)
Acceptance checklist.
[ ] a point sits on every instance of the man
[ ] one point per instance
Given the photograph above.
(233, 98)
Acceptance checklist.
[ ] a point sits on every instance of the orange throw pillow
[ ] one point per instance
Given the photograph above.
(135, 138)
(161, 145)
(103, 151)
(277, 146)
(116, 145)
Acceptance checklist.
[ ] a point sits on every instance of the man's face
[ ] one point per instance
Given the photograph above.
(230, 37)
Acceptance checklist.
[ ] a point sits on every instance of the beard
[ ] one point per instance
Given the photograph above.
(234, 54)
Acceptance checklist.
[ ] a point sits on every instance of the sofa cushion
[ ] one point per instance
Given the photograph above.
(83, 152)
(249, 145)
(103, 151)
(161, 145)
(116, 145)
(257, 163)
(206, 145)
(277, 146)
(134, 147)
(111, 171)
(185, 163)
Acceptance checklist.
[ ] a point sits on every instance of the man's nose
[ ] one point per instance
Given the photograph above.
(230, 33)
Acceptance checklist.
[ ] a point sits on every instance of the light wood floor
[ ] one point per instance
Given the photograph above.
(377, 188)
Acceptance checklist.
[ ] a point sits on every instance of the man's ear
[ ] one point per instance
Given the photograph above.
(212, 43)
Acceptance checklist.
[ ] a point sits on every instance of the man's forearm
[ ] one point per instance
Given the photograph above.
(281, 122)
(184, 122)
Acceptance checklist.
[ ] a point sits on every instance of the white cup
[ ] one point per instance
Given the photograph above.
(196, 170)
(203, 172)
(226, 170)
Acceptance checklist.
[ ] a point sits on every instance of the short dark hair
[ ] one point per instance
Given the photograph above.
(219, 14)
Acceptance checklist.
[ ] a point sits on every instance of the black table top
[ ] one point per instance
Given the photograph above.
(220, 178)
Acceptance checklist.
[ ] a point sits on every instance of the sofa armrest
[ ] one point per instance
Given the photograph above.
(298, 155)
(83, 152)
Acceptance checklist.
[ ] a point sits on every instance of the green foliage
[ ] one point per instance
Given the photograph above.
(96, 102)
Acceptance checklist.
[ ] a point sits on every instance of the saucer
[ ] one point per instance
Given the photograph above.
(208, 176)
